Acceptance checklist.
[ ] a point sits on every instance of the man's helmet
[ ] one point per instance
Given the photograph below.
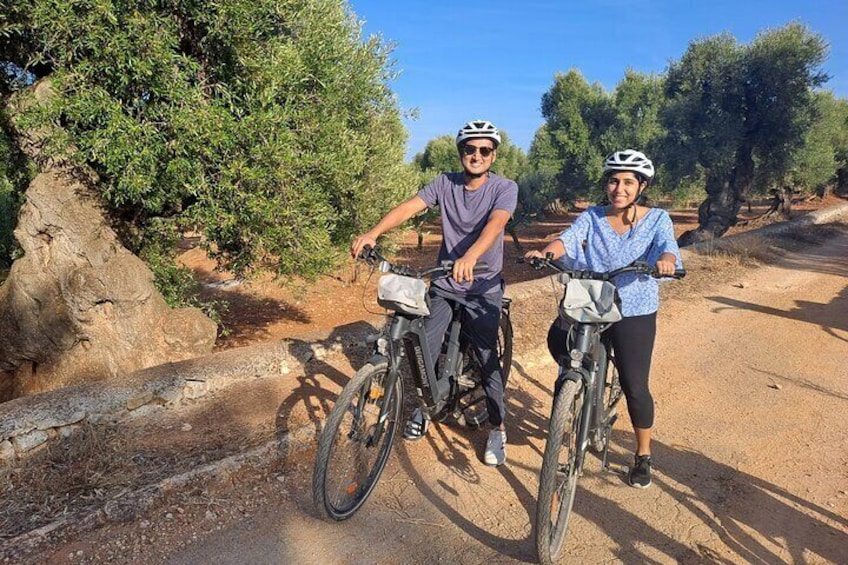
(629, 160)
(477, 129)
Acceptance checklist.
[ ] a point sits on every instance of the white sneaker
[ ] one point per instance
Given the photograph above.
(495, 448)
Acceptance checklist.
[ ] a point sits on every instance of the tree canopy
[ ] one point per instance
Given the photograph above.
(266, 126)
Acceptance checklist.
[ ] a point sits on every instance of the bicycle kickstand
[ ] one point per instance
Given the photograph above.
(605, 464)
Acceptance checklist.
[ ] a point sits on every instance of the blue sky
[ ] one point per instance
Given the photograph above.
(478, 59)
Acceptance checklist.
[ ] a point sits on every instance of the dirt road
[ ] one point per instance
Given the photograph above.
(751, 458)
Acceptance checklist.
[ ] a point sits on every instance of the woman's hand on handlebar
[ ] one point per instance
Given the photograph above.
(535, 254)
(666, 265)
(360, 243)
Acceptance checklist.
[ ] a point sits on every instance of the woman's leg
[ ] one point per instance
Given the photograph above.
(633, 344)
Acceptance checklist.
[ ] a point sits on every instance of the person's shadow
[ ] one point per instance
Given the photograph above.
(744, 510)
(756, 520)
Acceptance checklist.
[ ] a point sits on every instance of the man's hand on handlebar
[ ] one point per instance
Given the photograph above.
(360, 243)
(463, 269)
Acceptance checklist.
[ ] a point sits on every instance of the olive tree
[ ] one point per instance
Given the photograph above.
(736, 113)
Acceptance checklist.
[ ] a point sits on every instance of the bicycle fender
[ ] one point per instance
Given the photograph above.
(576, 375)
(376, 359)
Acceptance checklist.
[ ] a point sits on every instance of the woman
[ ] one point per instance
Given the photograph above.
(604, 238)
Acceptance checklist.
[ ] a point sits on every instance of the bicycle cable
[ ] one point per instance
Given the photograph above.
(365, 289)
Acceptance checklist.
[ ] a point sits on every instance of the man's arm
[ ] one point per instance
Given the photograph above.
(398, 215)
(463, 268)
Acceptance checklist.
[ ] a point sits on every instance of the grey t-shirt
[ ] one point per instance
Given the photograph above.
(464, 215)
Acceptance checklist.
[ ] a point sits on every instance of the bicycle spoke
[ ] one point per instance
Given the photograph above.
(354, 445)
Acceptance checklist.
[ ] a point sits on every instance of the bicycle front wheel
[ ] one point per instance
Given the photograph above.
(354, 445)
(558, 477)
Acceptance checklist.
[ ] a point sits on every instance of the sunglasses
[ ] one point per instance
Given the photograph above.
(470, 150)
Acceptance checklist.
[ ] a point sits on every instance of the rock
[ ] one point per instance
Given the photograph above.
(29, 441)
(7, 452)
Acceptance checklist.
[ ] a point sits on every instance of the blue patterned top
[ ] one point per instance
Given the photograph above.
(606, 250)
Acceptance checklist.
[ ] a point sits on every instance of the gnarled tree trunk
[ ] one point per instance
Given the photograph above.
(725, 195)
(78, 306)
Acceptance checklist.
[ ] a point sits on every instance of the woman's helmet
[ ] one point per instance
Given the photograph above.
(477, 129)
(629, 160)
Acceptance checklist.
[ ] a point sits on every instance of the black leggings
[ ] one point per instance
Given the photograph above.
(633, 344)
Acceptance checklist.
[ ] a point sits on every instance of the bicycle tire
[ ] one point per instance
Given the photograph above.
(473, 417)
(608, 400)
(559, 473)
(505, 346)
(347, 468)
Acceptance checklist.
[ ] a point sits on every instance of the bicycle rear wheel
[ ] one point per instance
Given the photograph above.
(558, 477)
(505, 345)
(354, 445)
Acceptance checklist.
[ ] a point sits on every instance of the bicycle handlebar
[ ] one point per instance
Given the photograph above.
(371, 256)
(642, 267)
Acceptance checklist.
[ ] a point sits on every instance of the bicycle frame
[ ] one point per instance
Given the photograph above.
(590, 364)
(433, 388)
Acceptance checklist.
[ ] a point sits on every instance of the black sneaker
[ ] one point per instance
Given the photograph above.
(640, 473)
(416, 426)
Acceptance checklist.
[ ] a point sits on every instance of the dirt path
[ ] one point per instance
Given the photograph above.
(751, 460)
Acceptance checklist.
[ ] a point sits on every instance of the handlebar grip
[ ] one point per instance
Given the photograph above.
(365, 252)
(678, 274)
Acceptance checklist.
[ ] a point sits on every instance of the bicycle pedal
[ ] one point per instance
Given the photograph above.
(622, 470)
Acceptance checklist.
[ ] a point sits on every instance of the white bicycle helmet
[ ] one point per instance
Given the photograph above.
(477, 129)
(629, 160)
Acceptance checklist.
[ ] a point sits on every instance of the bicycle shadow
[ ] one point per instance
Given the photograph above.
(332, 364)
(535, 412)
(457, 454)
(459, 450)
(756, 520)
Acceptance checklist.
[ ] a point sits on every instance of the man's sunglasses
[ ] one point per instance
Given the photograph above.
(470, 150)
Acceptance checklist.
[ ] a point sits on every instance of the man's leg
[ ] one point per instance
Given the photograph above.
(482, 319)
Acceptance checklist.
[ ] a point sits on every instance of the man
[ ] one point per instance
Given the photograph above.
(475, 206)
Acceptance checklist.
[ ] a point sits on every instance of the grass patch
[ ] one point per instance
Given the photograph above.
(96, 464)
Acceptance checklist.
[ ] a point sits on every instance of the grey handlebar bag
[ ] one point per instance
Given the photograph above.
(590, 301)
(404, 294)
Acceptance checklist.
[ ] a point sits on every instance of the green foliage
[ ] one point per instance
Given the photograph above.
(511, 161)
(15, 174)
(266, 126)
(583, 124)
(439, 156)
(728, 117)
(817, 162)
(575, 116)
(637, 103)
